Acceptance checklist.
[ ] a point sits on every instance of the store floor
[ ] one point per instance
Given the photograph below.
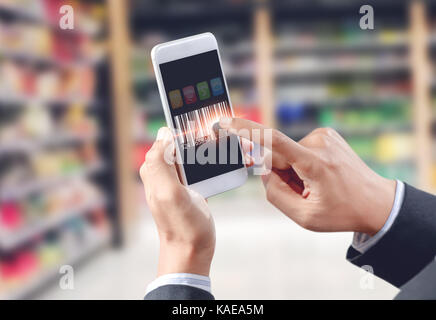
(260, 254)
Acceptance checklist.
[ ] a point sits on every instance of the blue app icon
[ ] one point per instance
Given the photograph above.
(217, 86)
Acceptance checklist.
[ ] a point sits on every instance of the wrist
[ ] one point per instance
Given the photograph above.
(379, 207)
(184, 258)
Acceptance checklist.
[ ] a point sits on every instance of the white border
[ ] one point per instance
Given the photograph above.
(179, 49)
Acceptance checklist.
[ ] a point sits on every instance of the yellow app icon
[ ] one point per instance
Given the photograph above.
(176, 99)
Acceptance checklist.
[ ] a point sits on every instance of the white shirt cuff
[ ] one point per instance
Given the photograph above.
(186, 279)
(362, 242)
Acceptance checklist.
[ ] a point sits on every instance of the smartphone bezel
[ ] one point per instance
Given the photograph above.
(179, 49)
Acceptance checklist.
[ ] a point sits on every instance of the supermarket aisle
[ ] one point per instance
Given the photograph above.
(59, 147)
(260, 255)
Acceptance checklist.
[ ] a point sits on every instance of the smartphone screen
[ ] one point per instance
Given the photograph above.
(198, 98)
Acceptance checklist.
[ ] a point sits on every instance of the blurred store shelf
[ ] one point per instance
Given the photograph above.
(27, 57)
(30, 187)
(22, 100)
(10, 240)
(38, 16)
(299, 131)
(30, 146)
(58, 198)
(45, 276)
(331, 69)
(332, 47)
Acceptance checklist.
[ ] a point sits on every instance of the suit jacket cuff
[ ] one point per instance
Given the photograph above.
(410, 243)
(187, 279)
(178, 292)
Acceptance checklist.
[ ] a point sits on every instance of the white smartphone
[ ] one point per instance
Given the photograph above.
(194, 96)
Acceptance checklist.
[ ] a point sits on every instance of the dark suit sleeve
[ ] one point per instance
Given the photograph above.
(409, 245)
(422, 286)
(178, 292)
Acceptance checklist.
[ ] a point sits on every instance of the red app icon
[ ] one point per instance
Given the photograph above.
(189, 94)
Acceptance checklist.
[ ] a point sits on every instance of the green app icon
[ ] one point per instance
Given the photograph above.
(203, 90)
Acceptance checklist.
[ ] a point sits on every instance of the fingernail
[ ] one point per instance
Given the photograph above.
(216, 128)
(225, 122)
(164, 133)
(168, 136)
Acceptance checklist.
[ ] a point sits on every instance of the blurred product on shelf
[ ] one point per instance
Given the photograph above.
(340, 36)
(349, 92)
(20, 83)
(307, 65)
(89, 16)
(53, 202)
(24, 270)
(20, 175)
(35, 124)
(384, 115)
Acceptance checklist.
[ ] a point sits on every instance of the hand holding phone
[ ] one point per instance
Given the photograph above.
(184, 222)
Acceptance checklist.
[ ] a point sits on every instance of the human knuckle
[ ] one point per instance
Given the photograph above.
(148, 199)
(317, 131)
(178, 195)
(153, 157)
(143, 170)
(306, 221)
(149, 156)
(330, 131)
(329, 162)
(270, 195)
(320, 133)
(162, 198)
(174, 195)
(324, 141)
(325, 137)
(326, 131)
(278, 139)
(308, 166)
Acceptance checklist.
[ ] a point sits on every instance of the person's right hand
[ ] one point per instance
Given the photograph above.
(320, 182)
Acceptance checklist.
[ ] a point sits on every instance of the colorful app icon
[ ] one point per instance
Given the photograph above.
(176, 99)
(203, 90)
(189, 94)
(217, 86)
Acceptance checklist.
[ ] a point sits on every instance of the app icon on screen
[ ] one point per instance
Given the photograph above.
(203, 90)
(217, 86)
(189, 93)
(176, 99)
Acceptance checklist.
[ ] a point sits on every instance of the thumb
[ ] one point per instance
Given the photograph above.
(159, 168)
(165, 146)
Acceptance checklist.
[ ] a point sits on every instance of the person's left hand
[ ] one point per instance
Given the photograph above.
(184, 222)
